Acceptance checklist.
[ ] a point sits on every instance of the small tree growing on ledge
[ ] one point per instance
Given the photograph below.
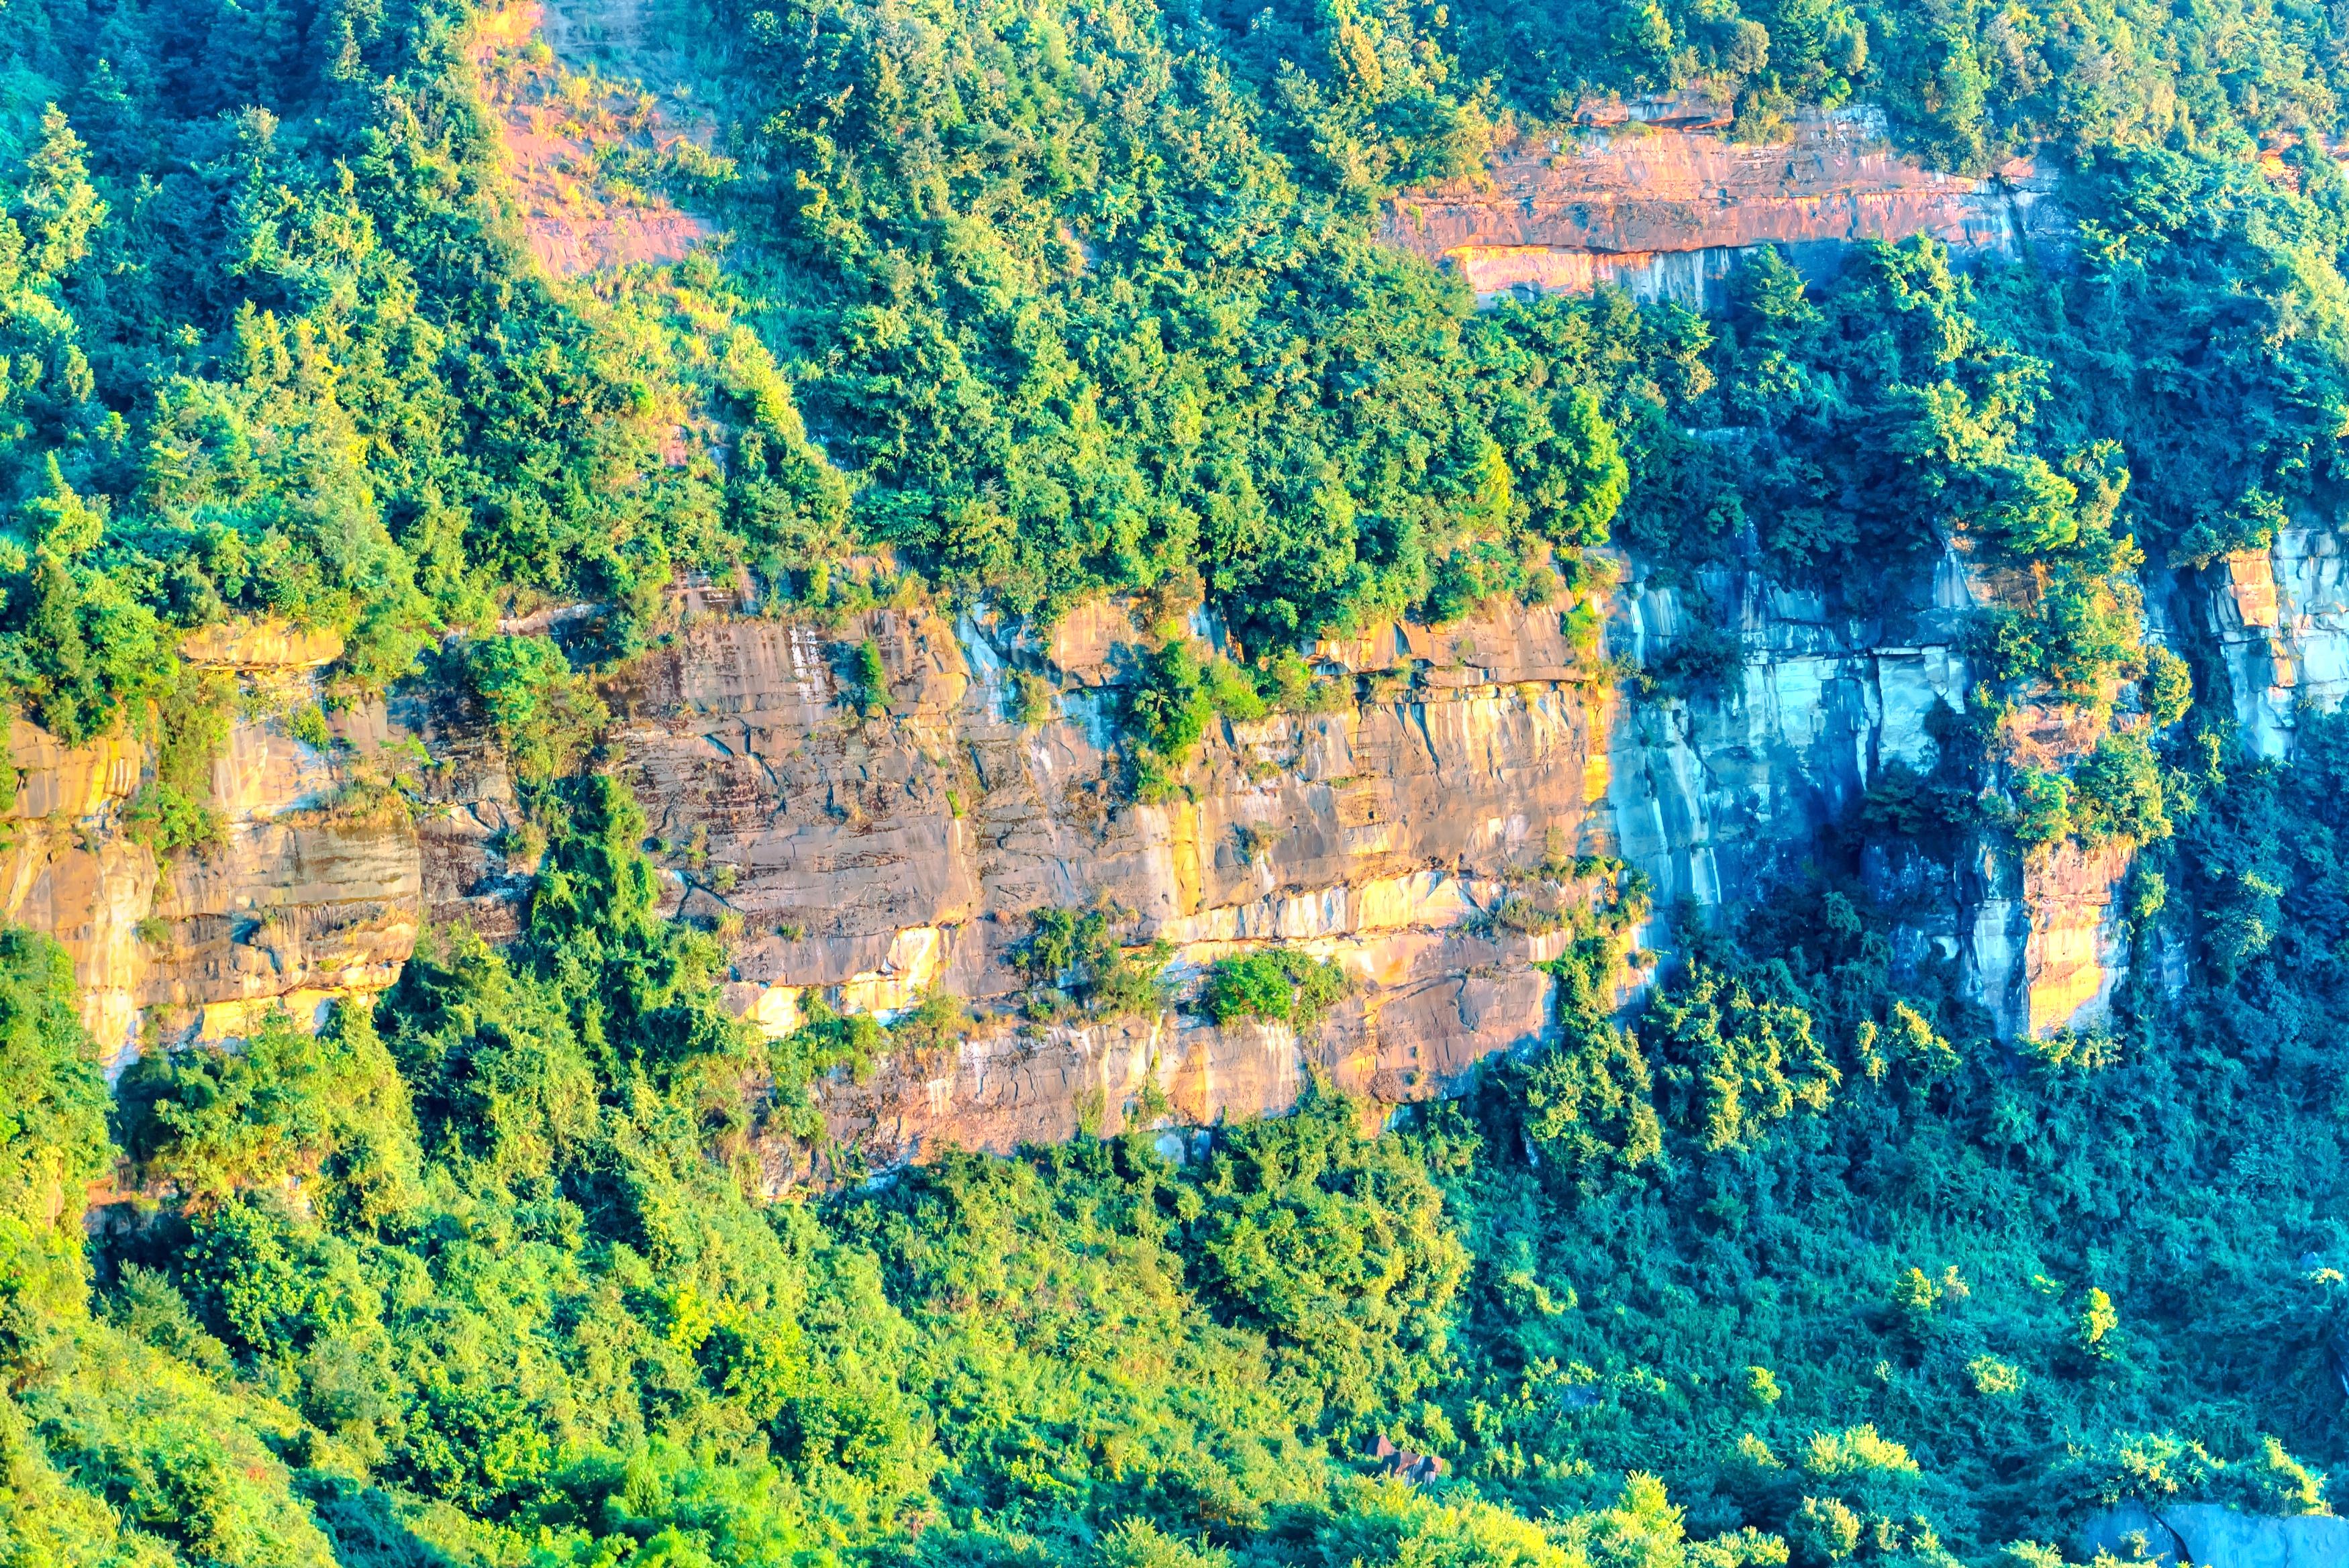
(1281, 985)
(868, 680)
(1068, 957)
(547, 717)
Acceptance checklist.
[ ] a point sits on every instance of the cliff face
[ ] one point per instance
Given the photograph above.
(2281, 620)
(306, 896)
(875, 858)
(1715, 796)
(868, 860)
(1402, 833)
(1661, 202)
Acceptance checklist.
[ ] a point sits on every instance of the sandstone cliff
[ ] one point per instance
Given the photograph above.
(307, 895)
(868, 860)
(1659, 201)
(2281, 620)
(1400, 830)
(872, 858)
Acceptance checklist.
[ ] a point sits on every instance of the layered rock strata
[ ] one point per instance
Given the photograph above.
(873, 858)
(1716, 793)
(1398, 832)
(1661, 202)
(305, 895)
(2279, 618)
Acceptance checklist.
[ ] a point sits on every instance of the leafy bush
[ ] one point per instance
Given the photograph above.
(328, 1108)
(867, 689)
(1031, 699)
(2118, 793)
(1081, 956)
(1735, 1055)
(1279, 984)
(1334, 1243)
(2043, 803)
(1170, 706)
(547, 718)
(53, 1135)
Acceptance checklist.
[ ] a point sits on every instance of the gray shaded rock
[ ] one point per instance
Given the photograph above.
(2214, 1534)
(2208, 1532)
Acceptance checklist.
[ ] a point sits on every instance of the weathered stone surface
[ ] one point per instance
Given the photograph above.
(260, 644)
(298, 904)
(2073, 953)
(2281, 616)
(870, 857)
(1713, 795)
(2221, 1537)
(2131, 1532)
(1443, 1004)
(1662, 206)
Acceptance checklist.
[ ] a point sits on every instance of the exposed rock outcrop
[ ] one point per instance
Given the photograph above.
(1712, 795)
(873, 858)
(546, 76)
(304, 897)
(2208, 1532)
(868, 857)
(1400, 831)
(2281, 618)
(1661, 202)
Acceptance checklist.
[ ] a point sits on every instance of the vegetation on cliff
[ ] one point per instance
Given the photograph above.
(1072, 305)
(1799, 1266)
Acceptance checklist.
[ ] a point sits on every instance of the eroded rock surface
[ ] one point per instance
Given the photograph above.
(870, 858)
(305, 897)
(1716, 793)
(1661, 202)
(2222, 1537)
(2280, 617)
(867, 856)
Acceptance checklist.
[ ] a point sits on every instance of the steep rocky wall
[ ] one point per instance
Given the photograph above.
(67, 870)
(301, 901)
(869, 859)
(1663, 205)
(1716, 792)
(2216, 1534)
(2279, 618)
(872, 858)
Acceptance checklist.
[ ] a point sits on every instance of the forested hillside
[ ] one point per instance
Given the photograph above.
(1792, 1264)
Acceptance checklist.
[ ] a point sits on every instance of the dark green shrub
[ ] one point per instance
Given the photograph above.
(547, 718)
(868, 680)
(2116, 793)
